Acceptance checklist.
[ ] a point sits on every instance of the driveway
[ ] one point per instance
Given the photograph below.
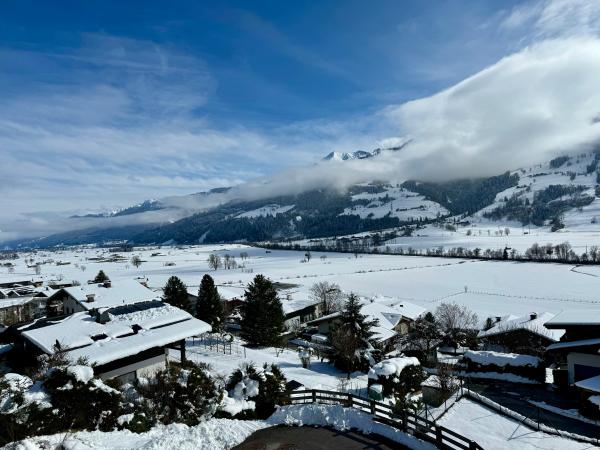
(314, 438)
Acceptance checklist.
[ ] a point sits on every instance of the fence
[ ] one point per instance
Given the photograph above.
(217, 343)
(406, 421)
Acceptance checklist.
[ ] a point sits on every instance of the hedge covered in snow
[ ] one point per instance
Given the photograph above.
(397, 375)
(525, 366)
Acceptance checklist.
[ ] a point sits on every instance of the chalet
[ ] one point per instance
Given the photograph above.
(123, 342)
(524, 335)
(24, 303)
(394, 317)
(579, 347)
(75, 299)
(300, 310)
(20, 282)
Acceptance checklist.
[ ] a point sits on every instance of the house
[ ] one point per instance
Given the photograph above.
(20, 282)
(524, 335)
(15, 310)
(394, 317)
(124, 342)
(299, 310)
(579, 347)
(75, 299)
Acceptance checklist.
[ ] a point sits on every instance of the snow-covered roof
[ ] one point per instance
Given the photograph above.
(122, 292)
(573, 344)
(392, 366)
(387, 313)
(590, 384)
(584, 317)
(407, 309)
(535, 325)
(129, 330)
(389, 316)
(14, 301)
(294, 304)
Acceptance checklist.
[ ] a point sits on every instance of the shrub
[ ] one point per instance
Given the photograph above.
(397, 376)
(184, 393)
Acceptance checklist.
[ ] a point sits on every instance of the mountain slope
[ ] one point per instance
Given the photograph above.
(555, 194)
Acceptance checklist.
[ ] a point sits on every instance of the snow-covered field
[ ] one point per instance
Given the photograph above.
(486, 234)
(490, 288)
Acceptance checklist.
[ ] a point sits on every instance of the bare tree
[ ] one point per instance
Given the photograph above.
(136, 261)
(308, 255)
(507, 231)
(38, 269)
(456, 322)
(329, 295)
(214, 261)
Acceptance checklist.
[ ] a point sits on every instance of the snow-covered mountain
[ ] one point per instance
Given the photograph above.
(399, 144)
(558, 194)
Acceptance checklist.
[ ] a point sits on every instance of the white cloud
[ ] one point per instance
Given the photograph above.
(543, 19)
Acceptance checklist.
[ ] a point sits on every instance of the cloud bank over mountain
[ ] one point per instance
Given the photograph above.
(130, 129)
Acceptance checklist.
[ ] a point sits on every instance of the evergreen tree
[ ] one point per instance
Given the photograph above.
(351, 335)
(262, 314)
(101, 277)
(175, 294)
(209, 307)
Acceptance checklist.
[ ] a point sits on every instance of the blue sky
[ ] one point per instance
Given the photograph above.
(106, 103)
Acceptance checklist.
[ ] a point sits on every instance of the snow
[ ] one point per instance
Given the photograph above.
(571, 413)
(571, 344)
(501, 359)
(571, 318)
(158, 325)
(535, 325)
(32, 392)
(392, 366)
(434, 381)
(595, 399)
(395, 202)
(321, 374)
(220, 434)
(494, 431)
(495, 288)
(509, 377)
(590, 384)
(81, 373)
(341, 418)
(121, 292)
(214, 434)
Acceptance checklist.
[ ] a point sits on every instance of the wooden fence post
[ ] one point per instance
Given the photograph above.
(438, 437)
(314, 396)
(373, 407)
(350, 405)
(473, 445)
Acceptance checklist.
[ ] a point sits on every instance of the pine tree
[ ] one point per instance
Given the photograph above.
(262, 314)
(175, 294)
(101, 277)
(209, 307)
(351, 335)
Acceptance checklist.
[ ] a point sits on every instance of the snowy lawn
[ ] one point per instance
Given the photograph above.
(321, 375)
(494, 431)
